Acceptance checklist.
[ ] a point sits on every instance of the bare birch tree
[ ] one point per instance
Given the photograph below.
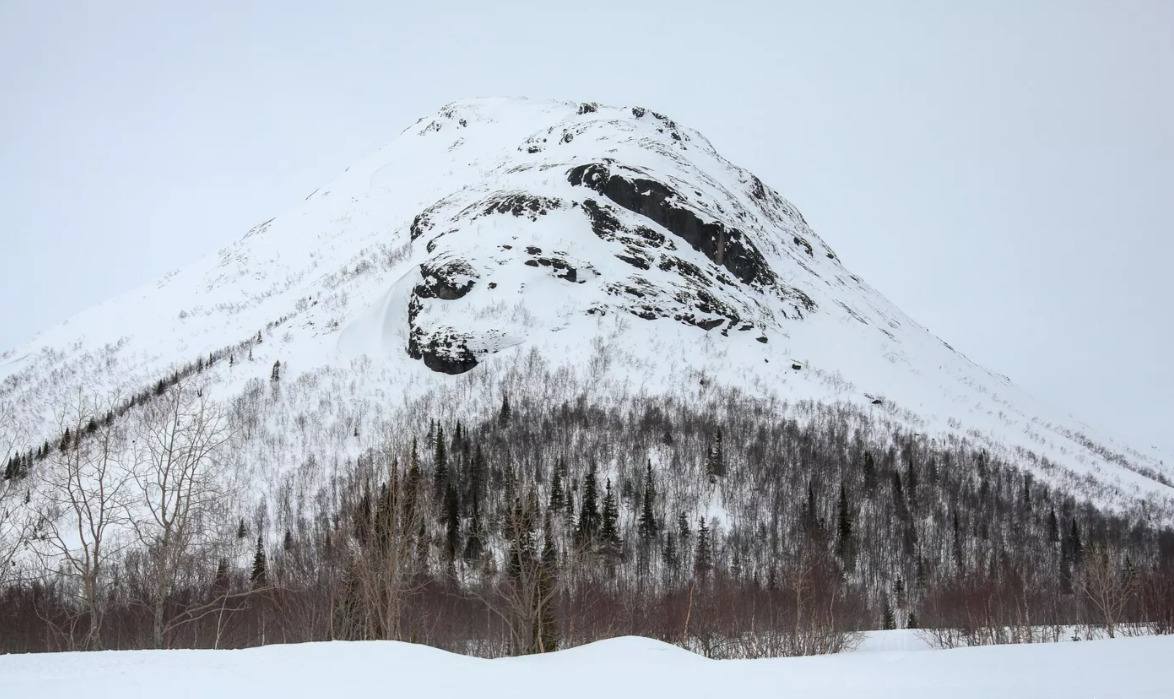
(13, 527)
(184, 481)
(1108, 585)
(385, 564)
(85, 497)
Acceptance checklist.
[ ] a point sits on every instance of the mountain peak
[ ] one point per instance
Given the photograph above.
(613, 239)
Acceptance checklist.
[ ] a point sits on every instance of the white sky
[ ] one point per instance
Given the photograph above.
(1002, 173)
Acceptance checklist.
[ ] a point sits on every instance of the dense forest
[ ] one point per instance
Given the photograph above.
(520, 523)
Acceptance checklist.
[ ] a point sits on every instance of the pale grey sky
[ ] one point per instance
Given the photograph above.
(1001, 171)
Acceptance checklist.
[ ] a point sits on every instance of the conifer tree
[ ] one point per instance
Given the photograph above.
(556, 488)
(811, 520)
(888, 621)
(899, 497)
(1053, 527)
(1075, 547)
(647, 526)
(220, 583)
(440, 458)
(275, 374)
(610, 527)
(505, 415)
(260, 575)
(473, 542)
(683, 528)
(869, 473)
(702, 553)
(911, 485)
(670, 554)
(911, 622)
(412, 484)
(477, 473)
(452, 520)
(845, 544)
(589, 517)
(547, 640)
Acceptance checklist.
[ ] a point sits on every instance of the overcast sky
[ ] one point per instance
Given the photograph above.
(1002, 173)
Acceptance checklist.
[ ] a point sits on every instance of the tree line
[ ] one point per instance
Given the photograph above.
(733, 526)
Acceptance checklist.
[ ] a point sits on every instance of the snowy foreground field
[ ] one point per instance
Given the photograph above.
(888, 664)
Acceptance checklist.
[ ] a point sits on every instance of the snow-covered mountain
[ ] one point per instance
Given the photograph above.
(612, 241)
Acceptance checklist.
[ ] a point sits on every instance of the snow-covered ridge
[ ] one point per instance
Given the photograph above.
(502, 226)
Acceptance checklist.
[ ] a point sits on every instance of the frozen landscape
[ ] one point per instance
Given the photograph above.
(532, 376)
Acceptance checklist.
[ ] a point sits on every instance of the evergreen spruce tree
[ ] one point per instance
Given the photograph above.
(702, 553)
(477, 473)
(505, 415)
(869, 473)
(647, 526)
(888, 621)
(556, 488)
(957, 543)
(610, 527)
(569, 506)
(474, 542)
(899, 497)
(423, 546)
(911, 622)
(1053, 527)
(1075, 547)
(412, 484)
(589, 517)
(811, 520)
(547, 640)
(440, 458)
(260, 575)
(683, 529)
(287, 542)
(452, 520)
(911, 485)
(221, 583)
(845, 544)
(275, 374)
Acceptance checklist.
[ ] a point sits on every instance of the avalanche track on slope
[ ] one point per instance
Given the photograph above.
(498, 227)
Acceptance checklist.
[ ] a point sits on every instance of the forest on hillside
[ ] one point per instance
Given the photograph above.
(521, 522)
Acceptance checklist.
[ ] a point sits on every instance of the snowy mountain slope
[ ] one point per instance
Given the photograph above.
(499, 227)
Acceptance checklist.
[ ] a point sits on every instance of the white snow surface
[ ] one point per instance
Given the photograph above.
(1133, 668)
(330, 282)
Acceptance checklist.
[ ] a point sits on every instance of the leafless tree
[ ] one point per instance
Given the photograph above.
(13, 523)
(1109, 586)
(183, 476)
(523, 591)
(85, 498)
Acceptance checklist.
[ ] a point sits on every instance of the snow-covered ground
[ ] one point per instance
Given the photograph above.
(889, 664)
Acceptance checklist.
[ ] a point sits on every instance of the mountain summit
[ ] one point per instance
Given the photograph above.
(614, 241)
